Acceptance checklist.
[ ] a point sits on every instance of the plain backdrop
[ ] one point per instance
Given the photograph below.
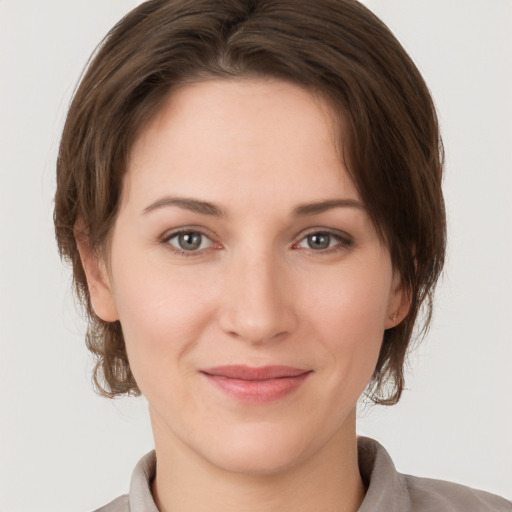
(63, 448)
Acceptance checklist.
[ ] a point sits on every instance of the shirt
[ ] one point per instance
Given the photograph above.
(387, 490)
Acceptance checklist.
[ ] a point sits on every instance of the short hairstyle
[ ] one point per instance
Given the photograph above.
(335, 48)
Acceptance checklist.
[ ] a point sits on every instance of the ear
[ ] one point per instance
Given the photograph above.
(98, 279)
(399, 302)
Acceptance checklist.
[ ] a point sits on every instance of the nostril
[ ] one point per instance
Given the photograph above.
(272, 326)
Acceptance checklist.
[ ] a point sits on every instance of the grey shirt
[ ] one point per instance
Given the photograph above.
(387, 490)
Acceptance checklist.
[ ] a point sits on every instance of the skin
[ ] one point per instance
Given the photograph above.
(255, 292)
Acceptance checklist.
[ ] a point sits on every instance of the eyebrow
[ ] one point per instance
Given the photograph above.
(206, 208)
(194, 205)
(323, 206)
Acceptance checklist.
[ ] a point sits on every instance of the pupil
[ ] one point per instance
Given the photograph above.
(190, 241)
(319, 241)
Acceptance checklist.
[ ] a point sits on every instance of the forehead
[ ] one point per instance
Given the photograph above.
(240, 138)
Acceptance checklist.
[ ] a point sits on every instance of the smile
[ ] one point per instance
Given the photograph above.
(256, 385)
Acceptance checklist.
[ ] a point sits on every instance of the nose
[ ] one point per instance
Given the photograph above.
(258, 302)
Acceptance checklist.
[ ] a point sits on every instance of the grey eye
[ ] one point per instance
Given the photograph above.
(319, 241)
(189, 241)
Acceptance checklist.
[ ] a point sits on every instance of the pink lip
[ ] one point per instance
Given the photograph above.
(256, 385)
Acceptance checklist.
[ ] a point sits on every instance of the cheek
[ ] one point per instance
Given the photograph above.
(162, 313)
(350, 312)
(353, 299)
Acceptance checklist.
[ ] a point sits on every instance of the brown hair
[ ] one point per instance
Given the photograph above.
(336, 48)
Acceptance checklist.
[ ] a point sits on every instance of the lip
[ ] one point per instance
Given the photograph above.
(256, 384)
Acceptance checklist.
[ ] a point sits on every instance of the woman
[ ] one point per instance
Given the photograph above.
(250, 196)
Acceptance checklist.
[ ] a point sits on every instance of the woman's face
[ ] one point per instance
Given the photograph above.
(251, 286)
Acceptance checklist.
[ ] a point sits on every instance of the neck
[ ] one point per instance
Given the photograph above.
(327, 481)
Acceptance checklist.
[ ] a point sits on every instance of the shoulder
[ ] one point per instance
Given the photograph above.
(387, 489)
(120, 504)
(430, 495)
(139, 498)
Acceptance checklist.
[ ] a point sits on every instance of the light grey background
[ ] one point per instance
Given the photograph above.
(62, 448)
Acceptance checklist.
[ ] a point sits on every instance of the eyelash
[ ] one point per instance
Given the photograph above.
(182, 252)
(344, 241)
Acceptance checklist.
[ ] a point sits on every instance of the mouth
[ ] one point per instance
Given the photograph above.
(256, 384)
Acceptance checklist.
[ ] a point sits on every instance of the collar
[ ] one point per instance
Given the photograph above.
(386, 488)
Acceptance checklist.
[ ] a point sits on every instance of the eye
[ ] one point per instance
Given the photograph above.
(323, 241)
(189, 241)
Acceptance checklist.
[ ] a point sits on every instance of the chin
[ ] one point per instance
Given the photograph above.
(259, 450)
